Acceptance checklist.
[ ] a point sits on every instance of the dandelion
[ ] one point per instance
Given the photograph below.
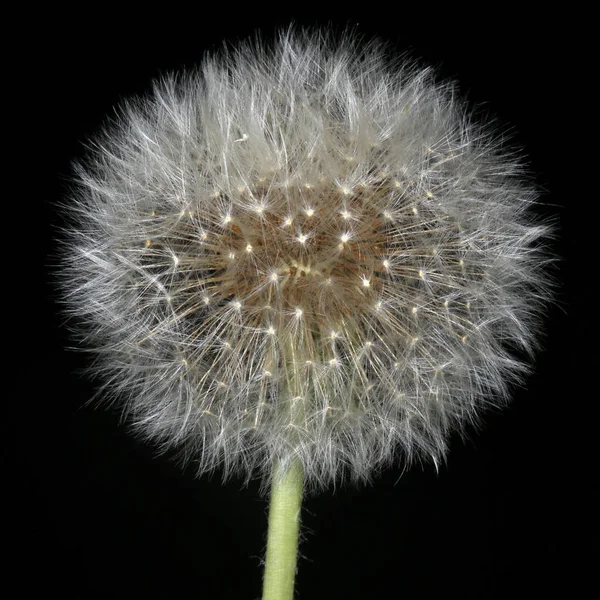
(301, 264)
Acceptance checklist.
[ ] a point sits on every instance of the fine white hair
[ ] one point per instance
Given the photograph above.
(305, 250)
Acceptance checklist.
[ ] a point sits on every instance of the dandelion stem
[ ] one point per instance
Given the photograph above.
(284, 525)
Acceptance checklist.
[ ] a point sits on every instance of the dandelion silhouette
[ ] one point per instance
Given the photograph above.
(304, 263)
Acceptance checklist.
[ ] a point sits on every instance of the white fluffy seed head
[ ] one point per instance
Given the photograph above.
(306, 252)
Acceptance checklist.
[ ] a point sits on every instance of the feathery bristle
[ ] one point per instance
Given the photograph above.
(305, 252)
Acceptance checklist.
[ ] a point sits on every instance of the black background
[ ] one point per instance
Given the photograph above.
(96, 515)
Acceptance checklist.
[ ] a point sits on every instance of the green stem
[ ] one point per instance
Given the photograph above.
(284, 525)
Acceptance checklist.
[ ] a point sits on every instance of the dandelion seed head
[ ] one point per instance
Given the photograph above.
(367, 253)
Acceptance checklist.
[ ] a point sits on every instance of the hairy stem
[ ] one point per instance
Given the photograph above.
(284, 525)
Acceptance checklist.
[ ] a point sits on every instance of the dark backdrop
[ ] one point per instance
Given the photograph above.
(96, 515)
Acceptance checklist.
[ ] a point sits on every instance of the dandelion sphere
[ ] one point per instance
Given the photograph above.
(307, 251)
